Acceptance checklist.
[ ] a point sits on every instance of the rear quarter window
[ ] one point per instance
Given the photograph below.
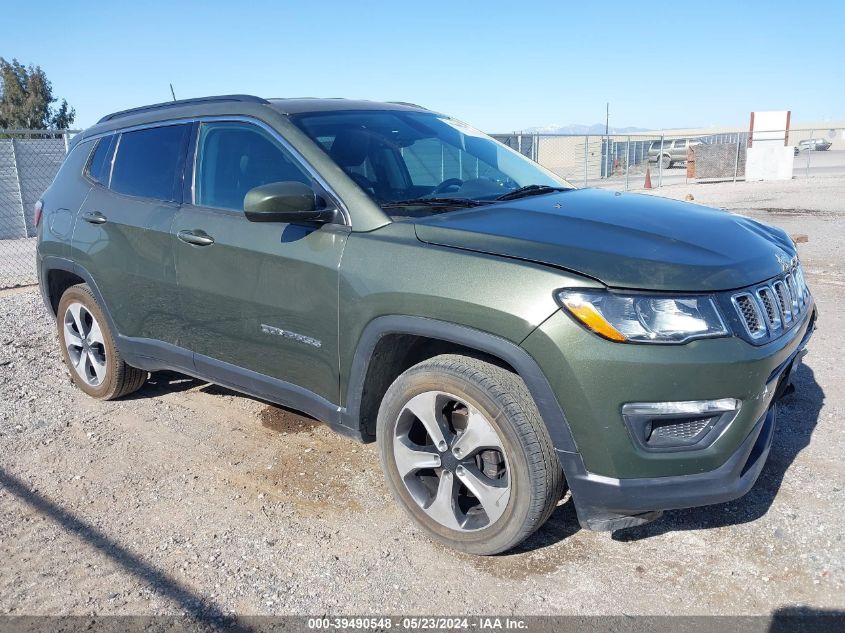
(148, 162)
(99, 165)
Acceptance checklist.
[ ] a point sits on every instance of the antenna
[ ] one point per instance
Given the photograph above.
(173, 94)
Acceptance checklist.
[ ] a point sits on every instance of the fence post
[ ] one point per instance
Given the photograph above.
(736, 159)
(20, 186)
(586, 154)
(627, 161)
(810, 148)
(660, 163)
(66, 138)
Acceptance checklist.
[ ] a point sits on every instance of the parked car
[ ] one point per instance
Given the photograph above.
(813, 144)
(408, 280)
(671, 151)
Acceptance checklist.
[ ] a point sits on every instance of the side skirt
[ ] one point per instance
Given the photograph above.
(153, 355)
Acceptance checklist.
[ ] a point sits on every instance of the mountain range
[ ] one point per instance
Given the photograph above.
(576, 128)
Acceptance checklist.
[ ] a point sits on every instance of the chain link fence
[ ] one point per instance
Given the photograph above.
(29, 160)
(622, 161)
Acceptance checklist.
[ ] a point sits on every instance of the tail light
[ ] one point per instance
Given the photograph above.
(39, 207)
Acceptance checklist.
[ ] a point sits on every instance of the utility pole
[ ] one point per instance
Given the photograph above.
(607, 161)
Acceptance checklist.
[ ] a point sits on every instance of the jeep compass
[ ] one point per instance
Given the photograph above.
(399, 275)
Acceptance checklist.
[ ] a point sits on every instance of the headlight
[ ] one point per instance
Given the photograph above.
(644, 318)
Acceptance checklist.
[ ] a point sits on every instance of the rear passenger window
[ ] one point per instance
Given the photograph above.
(99, 165)
(148, 162)
(233, 158)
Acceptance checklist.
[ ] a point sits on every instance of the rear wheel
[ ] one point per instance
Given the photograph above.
(665, 161)
(465, 452)
(88, 348)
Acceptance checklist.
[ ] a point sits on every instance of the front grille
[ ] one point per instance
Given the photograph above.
(772, 308)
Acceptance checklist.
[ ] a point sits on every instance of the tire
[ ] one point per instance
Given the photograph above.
(508, 457)
(93, 360)
(665, 162)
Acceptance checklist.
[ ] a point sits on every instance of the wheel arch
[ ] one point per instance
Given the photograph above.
(58, 274)
(380, 357)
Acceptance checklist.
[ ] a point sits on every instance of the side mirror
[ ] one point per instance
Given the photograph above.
(285, 202)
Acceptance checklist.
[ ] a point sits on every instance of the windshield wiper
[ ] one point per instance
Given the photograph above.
(529, 190)
(435, 202)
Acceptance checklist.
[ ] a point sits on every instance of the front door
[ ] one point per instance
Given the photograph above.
(254, 295)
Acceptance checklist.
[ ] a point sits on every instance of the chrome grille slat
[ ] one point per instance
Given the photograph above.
(799, 287)
(784, 301)
(793, 291)
(770, 307)
(751, 314)
(805, 292)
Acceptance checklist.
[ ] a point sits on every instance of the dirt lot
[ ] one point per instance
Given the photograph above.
(186, 497)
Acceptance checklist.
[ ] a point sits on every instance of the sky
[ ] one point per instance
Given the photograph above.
(499, 65)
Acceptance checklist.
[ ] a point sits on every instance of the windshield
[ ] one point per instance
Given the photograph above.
(413, 157)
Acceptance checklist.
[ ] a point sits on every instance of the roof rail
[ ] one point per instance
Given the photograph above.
(181, 102)
(408, 103)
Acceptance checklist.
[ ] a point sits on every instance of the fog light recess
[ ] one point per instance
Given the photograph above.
(677, 426)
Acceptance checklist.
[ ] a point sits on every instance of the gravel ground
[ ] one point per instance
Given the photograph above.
(186, 497)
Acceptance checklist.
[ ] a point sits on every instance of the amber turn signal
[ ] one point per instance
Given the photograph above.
(585, 312)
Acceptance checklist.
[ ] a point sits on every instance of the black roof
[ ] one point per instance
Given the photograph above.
(286, 106)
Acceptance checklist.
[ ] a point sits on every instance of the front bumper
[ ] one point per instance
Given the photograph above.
(616, 485)
(603, 503)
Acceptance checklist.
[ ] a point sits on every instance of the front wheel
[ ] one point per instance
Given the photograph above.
(665, 162)
(465, 452)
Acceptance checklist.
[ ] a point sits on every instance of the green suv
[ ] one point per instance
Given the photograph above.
(406, 279)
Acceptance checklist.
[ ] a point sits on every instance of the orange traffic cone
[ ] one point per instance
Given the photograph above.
(647, 184)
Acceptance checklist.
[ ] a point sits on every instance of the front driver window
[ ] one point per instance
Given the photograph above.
(233, 158)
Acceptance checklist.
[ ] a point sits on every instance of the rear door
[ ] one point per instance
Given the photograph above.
(260, 296)
(122, 233)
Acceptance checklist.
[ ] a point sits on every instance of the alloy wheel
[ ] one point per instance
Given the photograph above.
(452, 461)
(85, 345)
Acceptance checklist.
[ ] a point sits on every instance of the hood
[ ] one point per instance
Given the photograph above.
(623, 240)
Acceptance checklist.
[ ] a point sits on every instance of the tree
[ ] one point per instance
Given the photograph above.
(26, 99)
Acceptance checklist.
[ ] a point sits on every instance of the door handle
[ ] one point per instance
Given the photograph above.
(94, 217)
(197, 238)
